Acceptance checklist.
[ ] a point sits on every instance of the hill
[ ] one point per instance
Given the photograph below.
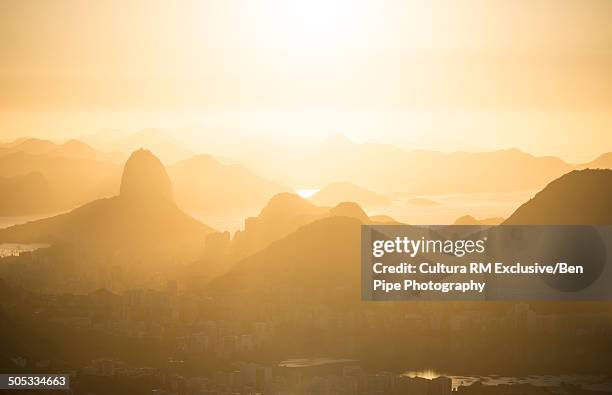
(312, 258)
(202, 183)
(338, 192)
(577, 198)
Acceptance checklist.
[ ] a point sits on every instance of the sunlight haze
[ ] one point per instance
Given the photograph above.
(478, 75)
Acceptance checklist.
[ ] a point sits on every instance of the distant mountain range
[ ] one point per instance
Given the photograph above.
(389, 169)
(77, 173)
(71, 149)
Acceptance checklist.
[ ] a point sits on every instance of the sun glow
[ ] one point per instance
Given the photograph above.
(295, 24)
(306, 193)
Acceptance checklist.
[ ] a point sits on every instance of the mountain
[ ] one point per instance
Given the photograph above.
(202, 183)
(26, 195)
(469, 220)
(75, 149)
(165, 147)
(338, 192)
(73, 181)
(307, 262)
(143, 221)
(603, 161)
(145, 180)
(387, 169)
(71, 149)
(28, 145)
(577, 198)
(283, 214)
(9, 144)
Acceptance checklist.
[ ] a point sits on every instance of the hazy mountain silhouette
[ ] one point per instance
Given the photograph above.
(578, 197)
(145, 179)
(470, 220)
(338, 192)
(202, 183)
(603, 161)
(283, 214)
(75, 149)
(386, 169)
(71, 149)
(351, 210)
(143, 220)
(285, 205)
(26, 195)
(32, 146)
(73, 181)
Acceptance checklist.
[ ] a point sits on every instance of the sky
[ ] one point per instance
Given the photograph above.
(439, 74)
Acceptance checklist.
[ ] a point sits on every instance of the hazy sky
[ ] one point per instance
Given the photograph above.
(447, 74)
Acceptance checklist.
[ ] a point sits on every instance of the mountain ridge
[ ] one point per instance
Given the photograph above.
(587, 199)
